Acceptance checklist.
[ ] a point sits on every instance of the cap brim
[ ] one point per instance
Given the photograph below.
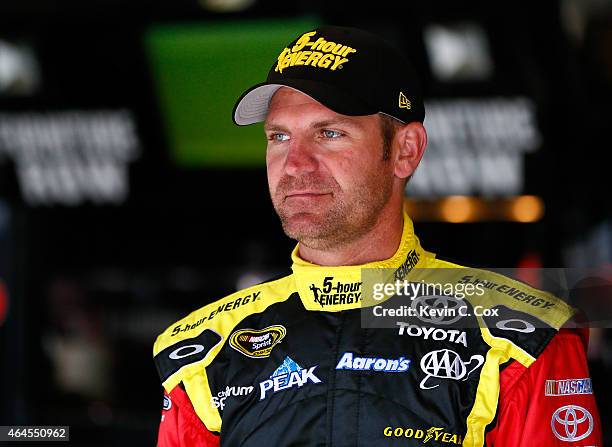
(252, 107)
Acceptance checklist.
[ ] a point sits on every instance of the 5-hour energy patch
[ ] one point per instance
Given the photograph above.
(511, 291)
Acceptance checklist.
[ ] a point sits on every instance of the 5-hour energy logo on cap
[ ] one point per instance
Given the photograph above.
(320, 53)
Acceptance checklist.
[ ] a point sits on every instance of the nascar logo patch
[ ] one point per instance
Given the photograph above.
(257, 343)
(568, 386)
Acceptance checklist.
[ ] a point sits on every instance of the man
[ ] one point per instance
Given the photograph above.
(290, 362)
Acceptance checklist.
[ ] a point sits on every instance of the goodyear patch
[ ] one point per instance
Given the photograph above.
(257, 343)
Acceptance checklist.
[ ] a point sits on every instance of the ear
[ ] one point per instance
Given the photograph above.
(411, 140)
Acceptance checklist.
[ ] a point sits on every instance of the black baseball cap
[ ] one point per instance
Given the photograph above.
(351, 71)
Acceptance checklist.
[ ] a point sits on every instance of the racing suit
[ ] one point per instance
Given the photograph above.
(291, 362)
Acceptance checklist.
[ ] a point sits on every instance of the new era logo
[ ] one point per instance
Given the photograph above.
(404, 102)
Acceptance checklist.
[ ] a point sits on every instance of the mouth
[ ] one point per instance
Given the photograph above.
(305, 195)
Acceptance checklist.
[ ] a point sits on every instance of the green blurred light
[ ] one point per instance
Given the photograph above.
(200, 70)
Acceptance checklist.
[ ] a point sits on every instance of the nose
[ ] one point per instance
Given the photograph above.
(300, 159)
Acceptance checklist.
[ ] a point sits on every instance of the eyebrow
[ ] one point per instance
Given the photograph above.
(315, 125)
(275, 127)
(335, 121)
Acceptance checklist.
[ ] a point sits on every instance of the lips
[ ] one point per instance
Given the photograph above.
(306, 194)
(306, 198)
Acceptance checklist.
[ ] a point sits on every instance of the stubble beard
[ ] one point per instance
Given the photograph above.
(350, 216)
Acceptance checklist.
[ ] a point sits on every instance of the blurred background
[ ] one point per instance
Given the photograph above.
(128, 198)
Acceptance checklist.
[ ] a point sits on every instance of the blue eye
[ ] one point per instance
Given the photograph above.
(331, 133)
(279, 137)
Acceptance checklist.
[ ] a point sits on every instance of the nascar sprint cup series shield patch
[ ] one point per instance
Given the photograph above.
(257, 343)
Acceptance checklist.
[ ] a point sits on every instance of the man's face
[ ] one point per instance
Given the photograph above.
(327, 177)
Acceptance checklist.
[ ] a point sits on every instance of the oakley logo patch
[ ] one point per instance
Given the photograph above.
(186, 352)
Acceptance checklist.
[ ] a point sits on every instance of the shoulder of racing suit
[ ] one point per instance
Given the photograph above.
(185, 348)
(199, 336)
(514, 317)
